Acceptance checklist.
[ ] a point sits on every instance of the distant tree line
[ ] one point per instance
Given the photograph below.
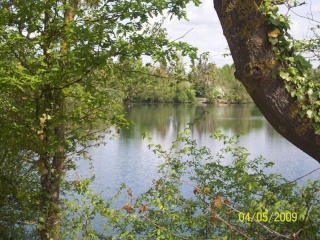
(172, 82)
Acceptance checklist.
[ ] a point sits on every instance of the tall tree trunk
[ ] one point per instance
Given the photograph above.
(43, 168)
(58, 166)
(246, 31)
(51, 166)
(49, 226)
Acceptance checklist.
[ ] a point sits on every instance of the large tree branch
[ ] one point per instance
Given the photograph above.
(246, 31)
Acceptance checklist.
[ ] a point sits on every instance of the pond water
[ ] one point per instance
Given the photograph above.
(127, 159)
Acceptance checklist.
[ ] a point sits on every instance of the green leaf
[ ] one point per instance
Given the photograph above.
(285, 76)
(309, 113)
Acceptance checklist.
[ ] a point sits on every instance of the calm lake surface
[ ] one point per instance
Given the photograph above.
(127, 159)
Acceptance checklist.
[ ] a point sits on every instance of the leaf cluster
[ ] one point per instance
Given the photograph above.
(294, 70)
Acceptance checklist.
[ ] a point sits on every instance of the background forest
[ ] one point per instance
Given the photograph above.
(177, 82)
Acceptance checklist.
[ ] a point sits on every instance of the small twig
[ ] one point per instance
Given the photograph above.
(75, 81)
(164, 229)
(297, 233)
(309, 209)
(144, 73)
(301, 177)
(232, 227)
(183, 35)
(310, 19)
(287, 183)
(183, 181)
(22, 223)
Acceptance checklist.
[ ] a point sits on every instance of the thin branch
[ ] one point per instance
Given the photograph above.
(232, 227)
(309, 209)
(297, 233)
(28, 223)
(162, 228)
(21, 61)
(311, 9)
(300, 177)
(75, 81)
(183, 35)
(310, 19)
(144, 73)
(287, 183)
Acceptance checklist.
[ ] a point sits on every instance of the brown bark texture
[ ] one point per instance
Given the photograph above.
(51, 170)
(51, 167)
(246, 31)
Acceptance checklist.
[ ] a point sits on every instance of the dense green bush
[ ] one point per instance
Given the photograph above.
(185, 93)
(215, 94)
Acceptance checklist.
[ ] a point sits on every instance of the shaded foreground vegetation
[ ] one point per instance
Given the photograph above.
(196, 196)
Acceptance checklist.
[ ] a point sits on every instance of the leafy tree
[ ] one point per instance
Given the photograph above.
(163, 83)
(235, 92)
(177, 68)
(19, 196)
(146, 83)
(216, 83)
(267, 63)
(222, 195)
(184, 92)
(133, 78)
(57, 80)
(203, 75)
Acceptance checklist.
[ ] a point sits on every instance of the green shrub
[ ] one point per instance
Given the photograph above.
(185, 93)
(182, 97)
(191, 95)
(215, 94)
(199, 196)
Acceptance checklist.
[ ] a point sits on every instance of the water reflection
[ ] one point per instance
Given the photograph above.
(127, 158)
(163, 120)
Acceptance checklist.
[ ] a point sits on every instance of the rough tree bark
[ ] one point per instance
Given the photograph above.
(246, 31)
(51, 166)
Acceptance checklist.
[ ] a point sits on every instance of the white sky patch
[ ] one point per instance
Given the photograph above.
(207, 35)
(300, 29)
(203, 31)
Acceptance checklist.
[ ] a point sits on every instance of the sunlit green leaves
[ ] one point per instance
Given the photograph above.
(59, 59)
